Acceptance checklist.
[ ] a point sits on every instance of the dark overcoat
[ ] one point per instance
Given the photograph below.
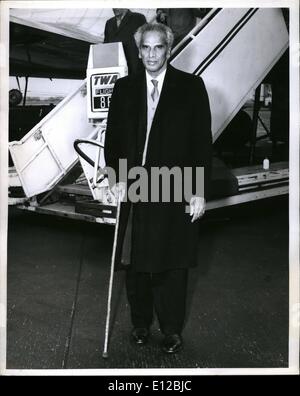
(125, 33)
(163, 236)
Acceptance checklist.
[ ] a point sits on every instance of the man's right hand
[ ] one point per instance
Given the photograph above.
(119, 190)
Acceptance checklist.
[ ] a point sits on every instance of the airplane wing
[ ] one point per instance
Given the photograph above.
(54, 43)
(38, 53)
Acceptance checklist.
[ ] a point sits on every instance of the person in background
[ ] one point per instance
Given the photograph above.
(121, 28)
(180, 20)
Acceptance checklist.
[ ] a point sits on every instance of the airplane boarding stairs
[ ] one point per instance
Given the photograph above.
(230, 49)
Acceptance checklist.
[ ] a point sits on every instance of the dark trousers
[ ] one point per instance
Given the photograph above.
(164, 292)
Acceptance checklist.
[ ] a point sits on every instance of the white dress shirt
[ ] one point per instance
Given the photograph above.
(151, 105)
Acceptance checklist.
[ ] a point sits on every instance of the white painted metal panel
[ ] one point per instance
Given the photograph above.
(46, 153)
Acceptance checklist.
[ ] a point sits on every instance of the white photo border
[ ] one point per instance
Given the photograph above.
(294, 303)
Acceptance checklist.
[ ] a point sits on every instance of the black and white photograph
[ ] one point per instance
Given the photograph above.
(149, 189)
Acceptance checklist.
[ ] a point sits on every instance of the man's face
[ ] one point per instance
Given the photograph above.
(154, 52)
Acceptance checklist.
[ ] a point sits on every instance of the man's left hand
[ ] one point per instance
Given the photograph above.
(197, 207)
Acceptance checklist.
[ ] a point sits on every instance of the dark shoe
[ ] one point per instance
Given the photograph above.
(140, 335)
(172, 343)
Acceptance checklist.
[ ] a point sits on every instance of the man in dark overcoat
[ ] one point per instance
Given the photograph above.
(121, 28)
(158, 118)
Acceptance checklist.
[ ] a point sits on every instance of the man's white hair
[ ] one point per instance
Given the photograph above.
(164, 30)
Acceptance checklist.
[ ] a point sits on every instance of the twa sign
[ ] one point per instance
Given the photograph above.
(105, 79)
(100, 87)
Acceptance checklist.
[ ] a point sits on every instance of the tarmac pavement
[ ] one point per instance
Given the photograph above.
(58, 273)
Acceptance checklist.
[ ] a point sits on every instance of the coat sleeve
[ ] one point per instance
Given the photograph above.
(201, 149)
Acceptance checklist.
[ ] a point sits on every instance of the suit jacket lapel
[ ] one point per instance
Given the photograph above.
(141, 108)
(166, 95)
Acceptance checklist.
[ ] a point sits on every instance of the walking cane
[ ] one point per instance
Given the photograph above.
(112, 269)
